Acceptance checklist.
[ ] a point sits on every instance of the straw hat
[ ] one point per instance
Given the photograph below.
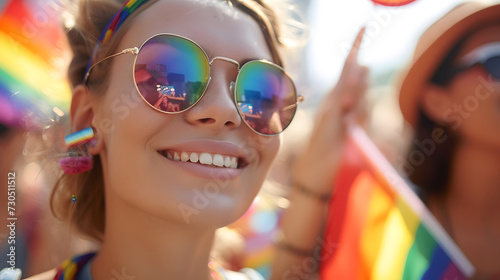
(434, 45)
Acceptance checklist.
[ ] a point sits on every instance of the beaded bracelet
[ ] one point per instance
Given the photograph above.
(306, 191)
(290, 248)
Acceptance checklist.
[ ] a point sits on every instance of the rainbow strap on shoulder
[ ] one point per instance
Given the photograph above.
(114, 23)
(70, 268)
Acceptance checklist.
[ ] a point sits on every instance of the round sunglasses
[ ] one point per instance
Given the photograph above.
(488, 56)
(171, 74)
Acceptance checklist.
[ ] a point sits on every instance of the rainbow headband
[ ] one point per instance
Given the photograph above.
(116, 21)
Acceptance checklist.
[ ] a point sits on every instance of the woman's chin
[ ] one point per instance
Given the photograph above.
(216, 216)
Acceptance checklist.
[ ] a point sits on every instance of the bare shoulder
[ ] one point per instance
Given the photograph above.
(47, 275)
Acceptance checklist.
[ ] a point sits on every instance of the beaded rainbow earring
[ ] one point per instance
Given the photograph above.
(78, 159)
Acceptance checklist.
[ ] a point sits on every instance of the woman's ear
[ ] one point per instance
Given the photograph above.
(81, 108)
(82, 114)
(436, 102)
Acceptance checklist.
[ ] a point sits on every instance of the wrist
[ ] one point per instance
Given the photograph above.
(307, 191)
(285, 245)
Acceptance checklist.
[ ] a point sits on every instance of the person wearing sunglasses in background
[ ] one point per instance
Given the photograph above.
(164, 178)
(451, 96)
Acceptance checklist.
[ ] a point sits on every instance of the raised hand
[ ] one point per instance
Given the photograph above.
(316, 165)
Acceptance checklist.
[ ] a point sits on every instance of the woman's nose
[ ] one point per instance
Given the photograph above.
(216, 110)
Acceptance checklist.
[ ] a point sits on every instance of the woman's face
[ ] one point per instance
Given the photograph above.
(475, 108)
(137, 138)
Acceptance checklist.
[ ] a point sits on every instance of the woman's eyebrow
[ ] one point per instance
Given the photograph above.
(241, 62)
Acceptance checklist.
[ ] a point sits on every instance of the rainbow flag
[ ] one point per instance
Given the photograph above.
(378, 226)
(32, 61)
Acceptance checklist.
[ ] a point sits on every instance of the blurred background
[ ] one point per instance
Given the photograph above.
(323, 32)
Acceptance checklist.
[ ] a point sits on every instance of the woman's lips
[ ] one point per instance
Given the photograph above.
(208, 159)
(215, 160)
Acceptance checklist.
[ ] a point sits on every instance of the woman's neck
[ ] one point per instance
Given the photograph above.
(470, 209)
(138, 246)
(475, 184)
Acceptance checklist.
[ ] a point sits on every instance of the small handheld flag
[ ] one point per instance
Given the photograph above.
(380, 227)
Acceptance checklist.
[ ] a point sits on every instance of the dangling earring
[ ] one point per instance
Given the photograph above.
(78, 159)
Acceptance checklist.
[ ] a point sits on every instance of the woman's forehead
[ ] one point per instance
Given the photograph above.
(214, 25)
(171, 16)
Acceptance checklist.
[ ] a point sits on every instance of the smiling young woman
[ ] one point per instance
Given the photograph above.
(164, 177)
(179, 105)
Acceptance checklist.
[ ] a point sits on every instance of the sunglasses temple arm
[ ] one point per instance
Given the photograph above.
(133, 50)
(299, 99)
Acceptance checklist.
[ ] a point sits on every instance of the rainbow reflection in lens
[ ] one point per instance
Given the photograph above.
(171, 72)
(266, 97)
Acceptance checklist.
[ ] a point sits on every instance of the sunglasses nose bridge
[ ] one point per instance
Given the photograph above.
(224, 59)
(229, 60)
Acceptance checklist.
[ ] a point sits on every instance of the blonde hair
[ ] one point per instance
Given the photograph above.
(88, 213)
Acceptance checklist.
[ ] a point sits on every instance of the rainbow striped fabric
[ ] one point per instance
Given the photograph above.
(114, 23)
(70, 268)
(380, 229)
(32, 61)
(128, 8)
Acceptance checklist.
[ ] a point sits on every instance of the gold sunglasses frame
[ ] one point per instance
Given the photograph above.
(135, 52)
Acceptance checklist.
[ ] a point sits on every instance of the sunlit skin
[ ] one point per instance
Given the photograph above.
(146, 232)
(479, 126)
(469, 210)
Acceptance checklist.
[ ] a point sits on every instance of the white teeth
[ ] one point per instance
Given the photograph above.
(193, 157)
(184, 156)
(218, 160)
(234, 163)
(227, 162)
(205, 158)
